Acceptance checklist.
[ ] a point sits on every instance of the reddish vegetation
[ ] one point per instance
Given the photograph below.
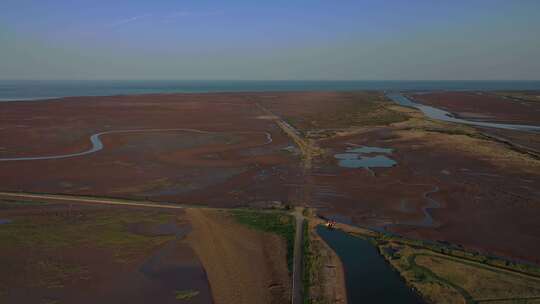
(218, 169)
(480, 198)
(480, 201)
(483, 106)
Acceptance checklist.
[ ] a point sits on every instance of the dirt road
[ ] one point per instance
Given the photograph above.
(306, 146)
(79, 199)
(243, 265)
(296, 295)
(309, 151)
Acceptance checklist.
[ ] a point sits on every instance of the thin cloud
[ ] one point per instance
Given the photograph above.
(166, 18)
(125, 21)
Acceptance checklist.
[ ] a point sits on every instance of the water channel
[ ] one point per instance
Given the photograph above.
(368, 277)
(438, 114)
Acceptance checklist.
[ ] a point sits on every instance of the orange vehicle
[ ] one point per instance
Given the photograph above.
(330, 224)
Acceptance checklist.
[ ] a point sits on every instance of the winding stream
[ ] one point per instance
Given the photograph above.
(427, 221)
(97, 144)
(438, 114)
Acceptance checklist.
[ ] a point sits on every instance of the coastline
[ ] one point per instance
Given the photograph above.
(40, 90)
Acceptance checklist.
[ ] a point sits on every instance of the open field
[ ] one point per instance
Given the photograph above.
(212, 149)
(329, 113)
(453, 184)
(59, 253)
(85, 253)
(476, 180)
(447, 277)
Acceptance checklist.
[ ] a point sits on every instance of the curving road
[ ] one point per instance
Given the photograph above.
(97, 144)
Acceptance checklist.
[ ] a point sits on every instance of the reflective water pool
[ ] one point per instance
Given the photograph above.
(368, 277)
(358, 158)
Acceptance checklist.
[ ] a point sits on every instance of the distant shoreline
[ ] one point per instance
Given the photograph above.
(27, 90)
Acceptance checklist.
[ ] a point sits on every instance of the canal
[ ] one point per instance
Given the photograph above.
(369, 278)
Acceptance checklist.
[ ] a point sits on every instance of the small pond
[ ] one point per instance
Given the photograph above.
(369, 278)
(365, 157)
(5, 221)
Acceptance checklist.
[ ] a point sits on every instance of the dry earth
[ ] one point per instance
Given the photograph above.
(243, 266)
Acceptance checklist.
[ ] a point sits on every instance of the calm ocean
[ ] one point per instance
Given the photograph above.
(30, 90)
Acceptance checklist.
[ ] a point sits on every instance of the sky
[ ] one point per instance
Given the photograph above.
(270, 40)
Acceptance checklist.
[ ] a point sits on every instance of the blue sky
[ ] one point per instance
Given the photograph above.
(327, 39)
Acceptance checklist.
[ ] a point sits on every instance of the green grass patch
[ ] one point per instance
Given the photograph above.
(186, 294)
(456, 251)
(425, 275)
(102, 230)
(447, 272)
(308, 265)
(357, 112)
(53, 274)
(276, 222)
(8, 204)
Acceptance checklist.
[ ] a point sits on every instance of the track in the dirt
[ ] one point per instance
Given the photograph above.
(297, 274)
(87, 200)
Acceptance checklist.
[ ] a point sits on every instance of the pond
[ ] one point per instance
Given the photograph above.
(363, 157)
(369, 278)
(5, 221)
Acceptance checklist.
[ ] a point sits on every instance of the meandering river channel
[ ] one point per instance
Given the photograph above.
(97, 144)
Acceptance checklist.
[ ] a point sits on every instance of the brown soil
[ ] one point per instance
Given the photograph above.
(243, 266)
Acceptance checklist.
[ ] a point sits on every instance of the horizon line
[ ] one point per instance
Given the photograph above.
(279, 80)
